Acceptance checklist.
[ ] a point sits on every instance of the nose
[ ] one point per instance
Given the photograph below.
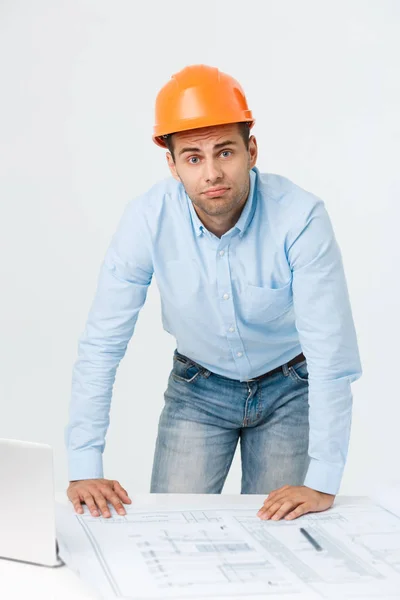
(212, 171)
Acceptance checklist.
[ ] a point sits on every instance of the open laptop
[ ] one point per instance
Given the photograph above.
(27, 503)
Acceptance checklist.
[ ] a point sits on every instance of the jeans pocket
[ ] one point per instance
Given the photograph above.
(185, 370)
(299, 371)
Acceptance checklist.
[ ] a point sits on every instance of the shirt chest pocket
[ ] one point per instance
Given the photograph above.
(264, 304)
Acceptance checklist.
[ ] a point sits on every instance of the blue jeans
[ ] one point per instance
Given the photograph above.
(204, 417)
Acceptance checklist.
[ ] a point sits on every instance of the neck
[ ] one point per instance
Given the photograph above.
(219, 224)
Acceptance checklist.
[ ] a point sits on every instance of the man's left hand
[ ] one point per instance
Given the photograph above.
(290, 502)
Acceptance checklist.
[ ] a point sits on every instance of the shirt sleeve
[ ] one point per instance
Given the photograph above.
(125, 275)
(328, 340)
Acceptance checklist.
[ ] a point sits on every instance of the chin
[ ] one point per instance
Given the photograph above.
(218, 210)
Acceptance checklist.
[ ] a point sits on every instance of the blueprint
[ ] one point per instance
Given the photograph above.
(228, 552)
(388, 496)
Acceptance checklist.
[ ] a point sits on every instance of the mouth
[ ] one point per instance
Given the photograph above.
(215, 192)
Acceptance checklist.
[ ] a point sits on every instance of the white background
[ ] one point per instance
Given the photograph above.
(78, 80)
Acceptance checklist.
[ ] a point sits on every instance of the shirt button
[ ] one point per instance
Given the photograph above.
(231, 329)
(239, 354)
(226, 296)
(221, 252)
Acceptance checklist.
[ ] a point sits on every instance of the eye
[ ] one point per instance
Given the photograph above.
(226, 152)
(193, 163)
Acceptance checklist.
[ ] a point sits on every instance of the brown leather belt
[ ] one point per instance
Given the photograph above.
(294, 361)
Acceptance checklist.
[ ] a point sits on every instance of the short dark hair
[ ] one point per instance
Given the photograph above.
(244, 131)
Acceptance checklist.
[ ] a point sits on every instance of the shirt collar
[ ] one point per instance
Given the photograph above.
(197, 224)
(249, 208)
(245, 217)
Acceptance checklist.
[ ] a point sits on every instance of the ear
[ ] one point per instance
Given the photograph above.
(253, 151)
(172, 166)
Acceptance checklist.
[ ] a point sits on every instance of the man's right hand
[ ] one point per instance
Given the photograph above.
(95, 493)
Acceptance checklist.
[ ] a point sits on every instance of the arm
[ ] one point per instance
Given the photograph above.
(122, 287)
(327, 336)
(328, 339)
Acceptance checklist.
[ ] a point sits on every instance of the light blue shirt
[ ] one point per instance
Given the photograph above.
(239, 305)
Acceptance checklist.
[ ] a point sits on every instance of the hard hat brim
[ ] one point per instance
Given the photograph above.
(196, 124)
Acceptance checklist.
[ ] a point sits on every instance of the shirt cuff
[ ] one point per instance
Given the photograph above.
(85, 464)
(323, 477)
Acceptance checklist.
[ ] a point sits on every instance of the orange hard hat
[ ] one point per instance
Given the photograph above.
(199, 96)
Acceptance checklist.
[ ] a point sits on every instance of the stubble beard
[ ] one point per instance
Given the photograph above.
(217, 207)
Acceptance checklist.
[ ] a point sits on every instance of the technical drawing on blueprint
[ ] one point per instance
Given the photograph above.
(230, 553)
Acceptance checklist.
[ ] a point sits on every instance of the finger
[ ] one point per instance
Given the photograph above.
(283, 492)
(74, 498)
(302, 509)
(88, 498)
(284, 509)
(291, 493)
(122, 493)
(276, 492)
(280, 498)
(116, 502)
(102, 504)
(267, 514)
(276, 498)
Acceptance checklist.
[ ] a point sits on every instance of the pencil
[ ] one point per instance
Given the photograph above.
(312, 541)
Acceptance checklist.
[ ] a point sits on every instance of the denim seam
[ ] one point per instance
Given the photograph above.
(191, 363)
(190, 380)
(296, 376)
(246, 405)
(259, 402)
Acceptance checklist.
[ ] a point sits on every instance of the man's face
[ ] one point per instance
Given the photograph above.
(210, 158)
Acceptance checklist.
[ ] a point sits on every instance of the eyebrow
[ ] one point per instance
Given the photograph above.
(216, 147)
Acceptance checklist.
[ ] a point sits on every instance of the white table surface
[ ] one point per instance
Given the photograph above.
(20, 581)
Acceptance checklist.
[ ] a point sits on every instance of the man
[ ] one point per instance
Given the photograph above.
(250, 278)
